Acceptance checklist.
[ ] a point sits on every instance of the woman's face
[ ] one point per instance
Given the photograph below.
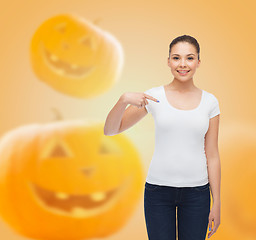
(183, 57)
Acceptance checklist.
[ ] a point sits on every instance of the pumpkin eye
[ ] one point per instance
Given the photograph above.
(109, 146)
(61, 27)
(56, 149)
(87, 41)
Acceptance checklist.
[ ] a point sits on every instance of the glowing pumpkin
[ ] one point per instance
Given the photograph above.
(75, 56)
(67, 180)
(238, 154)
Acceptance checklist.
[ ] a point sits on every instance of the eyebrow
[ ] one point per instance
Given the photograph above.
(187, 54)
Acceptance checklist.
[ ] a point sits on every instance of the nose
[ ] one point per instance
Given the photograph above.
(182, 63)
(88, 170)
(65, 45)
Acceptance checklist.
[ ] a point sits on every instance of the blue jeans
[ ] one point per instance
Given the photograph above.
(193, 208)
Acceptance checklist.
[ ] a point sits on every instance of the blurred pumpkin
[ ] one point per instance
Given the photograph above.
(67, 180)
(75, 56)
(238, 154)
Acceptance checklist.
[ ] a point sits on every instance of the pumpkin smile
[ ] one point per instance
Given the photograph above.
(79, 205)
(64, 68)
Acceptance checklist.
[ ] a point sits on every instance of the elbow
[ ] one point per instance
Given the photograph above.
(108, 133)
(105, 131)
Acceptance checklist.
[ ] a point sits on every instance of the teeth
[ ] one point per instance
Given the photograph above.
(60, 71)
(99, 196)
(54, 58)
(78, 211)
(61, 195)
(73, 66)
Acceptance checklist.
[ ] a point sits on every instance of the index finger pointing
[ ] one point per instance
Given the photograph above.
(150, 97)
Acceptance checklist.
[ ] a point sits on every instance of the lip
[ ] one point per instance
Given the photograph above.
(183, 74)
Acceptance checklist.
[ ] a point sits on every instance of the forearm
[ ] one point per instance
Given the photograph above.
(214, 174)
(114, 118)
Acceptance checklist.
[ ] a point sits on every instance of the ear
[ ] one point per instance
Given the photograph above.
(199, 61)
(168, 61)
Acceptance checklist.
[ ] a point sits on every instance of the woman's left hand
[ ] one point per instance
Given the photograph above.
(214, 216)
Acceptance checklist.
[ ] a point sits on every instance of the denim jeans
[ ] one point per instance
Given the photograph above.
(193, 208)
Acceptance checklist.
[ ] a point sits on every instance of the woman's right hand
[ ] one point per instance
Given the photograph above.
(137, 99)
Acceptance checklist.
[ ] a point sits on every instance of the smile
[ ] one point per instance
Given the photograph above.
(183, 72)
(78, 205)
(64, 68)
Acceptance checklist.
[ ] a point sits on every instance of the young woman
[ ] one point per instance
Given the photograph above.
(185, 165)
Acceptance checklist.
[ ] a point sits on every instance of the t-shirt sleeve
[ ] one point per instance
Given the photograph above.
(215, 108)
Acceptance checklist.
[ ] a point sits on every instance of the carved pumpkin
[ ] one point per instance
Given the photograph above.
(75, 56)
(238, 154)
(67, 178)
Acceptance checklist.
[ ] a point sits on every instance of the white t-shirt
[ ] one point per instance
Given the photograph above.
(179, 158)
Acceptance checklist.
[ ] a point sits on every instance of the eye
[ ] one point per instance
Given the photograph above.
(190, 58)
(56, 148)
(61, 27)
(88, 42)
(108, 146)
(85, 40)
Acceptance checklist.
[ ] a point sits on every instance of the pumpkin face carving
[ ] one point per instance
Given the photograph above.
(56, 177)
(75, 56)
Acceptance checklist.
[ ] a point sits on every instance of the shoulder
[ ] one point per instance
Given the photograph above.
(212, 104)
(210, 96)
(153, 90)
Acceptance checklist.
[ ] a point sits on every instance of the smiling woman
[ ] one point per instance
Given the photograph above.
(185, 165)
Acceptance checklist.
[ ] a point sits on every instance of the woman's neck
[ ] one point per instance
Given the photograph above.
(177, 85)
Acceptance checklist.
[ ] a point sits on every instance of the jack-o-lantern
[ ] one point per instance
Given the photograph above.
(75, 57)
(67, 180)
(238, 209)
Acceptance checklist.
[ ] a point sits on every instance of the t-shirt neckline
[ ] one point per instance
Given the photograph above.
(182, 110)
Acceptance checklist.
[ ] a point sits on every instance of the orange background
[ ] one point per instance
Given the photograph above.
(224, 30)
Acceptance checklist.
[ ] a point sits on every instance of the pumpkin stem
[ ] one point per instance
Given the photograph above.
(58, 114)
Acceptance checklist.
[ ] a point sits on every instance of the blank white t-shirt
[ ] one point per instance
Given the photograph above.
(179, 158)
